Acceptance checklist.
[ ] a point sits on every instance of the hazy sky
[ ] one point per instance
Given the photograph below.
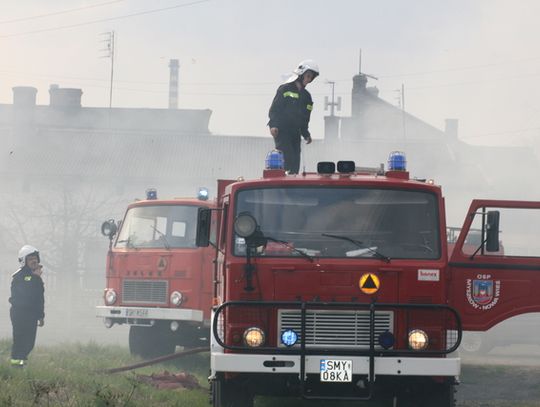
(477, 61)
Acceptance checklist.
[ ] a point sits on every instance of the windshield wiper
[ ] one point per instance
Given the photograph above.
(162, 235)
(288, 245)
(128, 242)
(360, 245)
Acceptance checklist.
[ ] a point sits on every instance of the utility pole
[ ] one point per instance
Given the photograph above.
(404, 119)
(331, 123)
(403, 96)
(173, 83)
(401, 104)
(109, 53)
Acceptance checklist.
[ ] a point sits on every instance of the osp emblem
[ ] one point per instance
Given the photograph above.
(483, 294)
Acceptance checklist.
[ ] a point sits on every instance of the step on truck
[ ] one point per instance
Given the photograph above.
(338, 284)
(157, 280)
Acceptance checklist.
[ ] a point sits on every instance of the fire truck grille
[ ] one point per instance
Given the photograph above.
(144, 291)
(336, 328)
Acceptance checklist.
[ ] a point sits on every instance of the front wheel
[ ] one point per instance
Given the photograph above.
(442, 395)
(229, 394)
(150, 342)
(193, 336)
(432, 395)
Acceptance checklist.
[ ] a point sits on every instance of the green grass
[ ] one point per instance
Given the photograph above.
(73, 375)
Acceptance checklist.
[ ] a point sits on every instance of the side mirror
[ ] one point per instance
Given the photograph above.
(109, 228)
(492, 231)
(204, 221)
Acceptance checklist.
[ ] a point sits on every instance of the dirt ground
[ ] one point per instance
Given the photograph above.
(507, 376)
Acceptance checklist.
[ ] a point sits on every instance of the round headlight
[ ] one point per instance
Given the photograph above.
(253, 337)
(176, 298)
(245, 225)
(110, 296)
(418, 339)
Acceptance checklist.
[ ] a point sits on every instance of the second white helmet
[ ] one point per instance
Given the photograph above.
(302, 68)
(26, 251)
(307, 65)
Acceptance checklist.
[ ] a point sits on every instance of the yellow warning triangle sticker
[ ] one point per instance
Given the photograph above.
(369, 283)
(162, 263)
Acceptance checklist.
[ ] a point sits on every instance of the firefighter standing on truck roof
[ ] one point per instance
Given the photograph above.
(27, 304)
(290, 112)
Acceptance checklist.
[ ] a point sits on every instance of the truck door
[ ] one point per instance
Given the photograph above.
(491, 281)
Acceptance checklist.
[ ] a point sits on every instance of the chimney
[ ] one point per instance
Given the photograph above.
(24, 96)
(64, 97)
(173, 84)
(358, 93)
(451, 128)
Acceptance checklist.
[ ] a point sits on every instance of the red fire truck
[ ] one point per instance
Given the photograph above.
(338, 285)
(158, 280)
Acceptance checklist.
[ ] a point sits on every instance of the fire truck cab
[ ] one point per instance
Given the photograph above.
(338, 285)
(158, 281)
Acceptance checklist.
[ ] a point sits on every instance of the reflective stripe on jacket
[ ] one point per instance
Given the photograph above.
(291, 109)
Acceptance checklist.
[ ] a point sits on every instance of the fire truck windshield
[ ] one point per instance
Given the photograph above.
(400, 224)
(160, 226)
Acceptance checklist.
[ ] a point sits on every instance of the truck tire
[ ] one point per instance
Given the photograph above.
(150, 342)
(433, 395)
(229, 394)
(193, 336)
(442, 395)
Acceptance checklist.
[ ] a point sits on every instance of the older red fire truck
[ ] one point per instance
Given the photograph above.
(158, 280)
(339, 285)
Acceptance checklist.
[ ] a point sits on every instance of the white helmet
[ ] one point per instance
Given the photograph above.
(26, 251)
(303, 67)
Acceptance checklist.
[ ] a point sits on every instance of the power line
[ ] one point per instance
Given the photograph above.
(46, 75)
(140, 13)
(56, 13)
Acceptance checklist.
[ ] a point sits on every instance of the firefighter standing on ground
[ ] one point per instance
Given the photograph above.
(290, 113)
(27, 304)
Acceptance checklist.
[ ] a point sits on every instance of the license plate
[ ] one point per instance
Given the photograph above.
(334, 370)
(137, 313)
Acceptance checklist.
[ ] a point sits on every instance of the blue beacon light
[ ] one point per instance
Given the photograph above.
(203, 194)
(386, 339)
(397, 161)
(151, 193)
(274, 160)
(289, 337)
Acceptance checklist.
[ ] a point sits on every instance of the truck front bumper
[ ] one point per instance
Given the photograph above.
(280, 364)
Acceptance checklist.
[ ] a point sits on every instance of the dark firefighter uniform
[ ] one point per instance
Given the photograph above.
(290, 112)
(27, 308)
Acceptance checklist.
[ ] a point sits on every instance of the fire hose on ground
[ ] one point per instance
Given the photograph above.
(157, 360)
